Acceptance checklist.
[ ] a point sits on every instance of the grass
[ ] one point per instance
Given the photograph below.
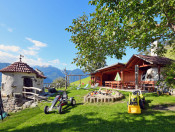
(83, 81)
(94, 117)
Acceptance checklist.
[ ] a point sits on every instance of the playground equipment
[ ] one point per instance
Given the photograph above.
(63, 100)
(136, 102)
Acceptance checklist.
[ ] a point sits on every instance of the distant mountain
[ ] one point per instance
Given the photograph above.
(76, 72)
(52, 73)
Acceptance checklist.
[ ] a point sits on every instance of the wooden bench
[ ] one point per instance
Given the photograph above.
(150, 85)
(107, 83)
(116, 84)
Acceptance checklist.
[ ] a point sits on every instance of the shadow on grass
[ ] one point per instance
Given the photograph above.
(68, 107)
(163, 106)
(23, 115)
(65, 109)
(119, 122)
(154, 94)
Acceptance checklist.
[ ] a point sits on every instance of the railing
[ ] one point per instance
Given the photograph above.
(27, 94)
(144, 85)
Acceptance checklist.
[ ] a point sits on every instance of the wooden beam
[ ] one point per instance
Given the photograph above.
(32, 88)
(30, 93)
(159, 71)
(145, 65)
(78, 75)
(131, 62)
(122, 77)
(136, 76)
(116, 69)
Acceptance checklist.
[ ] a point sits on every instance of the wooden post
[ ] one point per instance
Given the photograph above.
(136, 76)
(68, 80)
(101, 80)
(122, 81)
(80, 79)
(35, 95)
(159, 71)
(65, 78)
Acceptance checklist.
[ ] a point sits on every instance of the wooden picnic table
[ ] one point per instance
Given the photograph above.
(108, 83)
(116, 84)
(129, 85)
(113, 84)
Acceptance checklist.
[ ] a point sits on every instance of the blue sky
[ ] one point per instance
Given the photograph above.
(36, 29)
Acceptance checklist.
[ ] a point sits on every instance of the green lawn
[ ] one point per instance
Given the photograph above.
(94, 117)
(84, 81)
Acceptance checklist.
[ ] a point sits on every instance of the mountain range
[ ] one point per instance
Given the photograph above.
(52, 73)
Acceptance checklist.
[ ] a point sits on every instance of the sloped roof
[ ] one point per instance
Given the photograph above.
(120, 65)
(154, 59)
(21, 67)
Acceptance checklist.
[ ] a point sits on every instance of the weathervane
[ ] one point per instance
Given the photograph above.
(20, 57)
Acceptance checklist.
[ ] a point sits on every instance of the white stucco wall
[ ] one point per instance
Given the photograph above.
(152, 74)
(13, 82)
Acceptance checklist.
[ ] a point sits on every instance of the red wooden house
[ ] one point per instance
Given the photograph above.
(105, 76)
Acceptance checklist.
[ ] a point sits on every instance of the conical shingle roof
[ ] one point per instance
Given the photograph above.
(21, 67)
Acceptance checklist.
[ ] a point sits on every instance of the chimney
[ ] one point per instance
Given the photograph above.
(154, 48)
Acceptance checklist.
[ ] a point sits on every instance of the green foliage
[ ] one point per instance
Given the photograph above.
(170, 51)
(169, 74)
(84, 81)
(118, 24)
(60, 81)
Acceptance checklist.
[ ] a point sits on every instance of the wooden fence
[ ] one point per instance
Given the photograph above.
(33, 94)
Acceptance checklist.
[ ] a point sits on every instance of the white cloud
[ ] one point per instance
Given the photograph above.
(6, 27)
(29, 52)
(10, 29)
(37, 43)
(10, 54)
(7, 57)
(11, 58)
(64, 64)
(56, 61)
(33, 48)
(33, 62)
(9, 48)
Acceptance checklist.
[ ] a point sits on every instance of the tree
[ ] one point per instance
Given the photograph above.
(60, 81)
(118, 24)
(170, 51)
(169, 75)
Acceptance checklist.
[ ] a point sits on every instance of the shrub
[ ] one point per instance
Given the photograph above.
(169, 75)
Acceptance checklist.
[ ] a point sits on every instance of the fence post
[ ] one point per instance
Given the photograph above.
(136, 76)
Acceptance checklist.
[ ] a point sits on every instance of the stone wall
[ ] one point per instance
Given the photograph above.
(13, 104)
(13, 82)
(103, 98)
